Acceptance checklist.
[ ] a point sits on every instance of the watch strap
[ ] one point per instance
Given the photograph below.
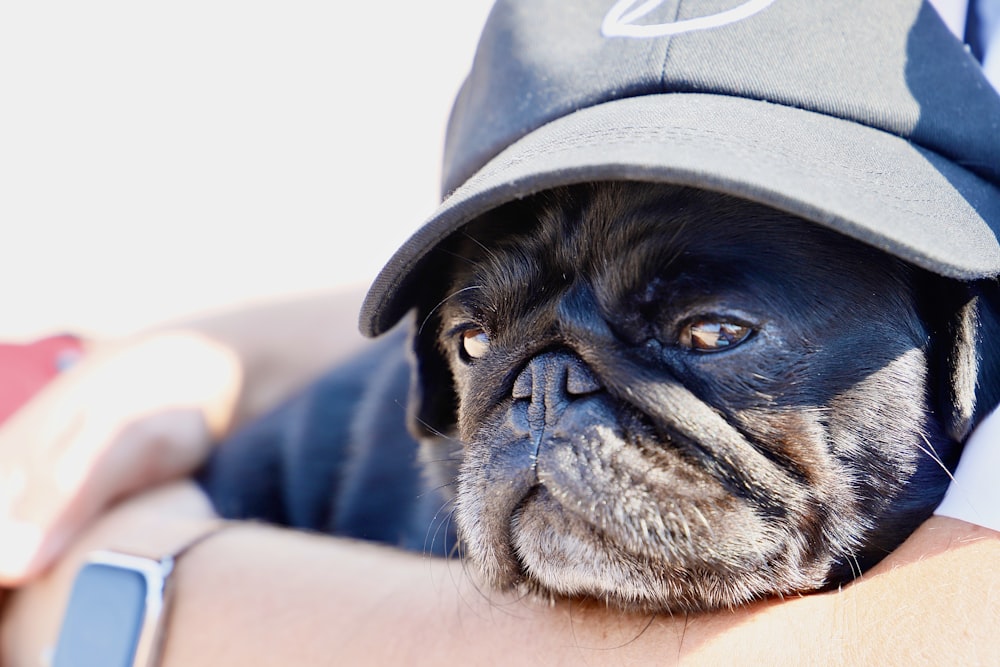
(148, 569)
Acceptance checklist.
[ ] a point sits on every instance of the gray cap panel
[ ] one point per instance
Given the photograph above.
(867, 117)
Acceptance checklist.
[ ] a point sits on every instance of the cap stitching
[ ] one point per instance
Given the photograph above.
(853, 174)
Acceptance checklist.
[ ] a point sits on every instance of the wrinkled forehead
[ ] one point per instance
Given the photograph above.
(625, 238)
(589, 226)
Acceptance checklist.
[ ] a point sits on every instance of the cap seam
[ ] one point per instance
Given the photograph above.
(595, 140)
(666, 51)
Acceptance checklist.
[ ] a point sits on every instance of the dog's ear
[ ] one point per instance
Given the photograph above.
(433, 404)
(971, 362)
(987, 293)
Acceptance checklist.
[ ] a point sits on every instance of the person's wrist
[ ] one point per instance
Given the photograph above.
(120, 601)
(188, 632)
(155, 522)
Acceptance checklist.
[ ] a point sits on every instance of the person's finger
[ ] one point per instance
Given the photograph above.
(39, 519)
(117, 424)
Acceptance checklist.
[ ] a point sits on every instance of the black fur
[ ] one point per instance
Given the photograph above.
(588, 450)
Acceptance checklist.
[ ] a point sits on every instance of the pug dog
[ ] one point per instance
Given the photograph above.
(657, 396)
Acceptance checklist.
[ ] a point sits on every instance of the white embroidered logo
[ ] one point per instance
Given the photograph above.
(621, 19)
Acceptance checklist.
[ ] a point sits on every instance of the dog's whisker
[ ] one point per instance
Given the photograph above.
(444, 459)
(856, 569)
(437, 432)
(447, 252)
(484, 592)
(933, 455)
(440, 526)
(482, 246)
(443, 301)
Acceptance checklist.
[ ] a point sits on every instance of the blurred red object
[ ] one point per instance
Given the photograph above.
(27, 367)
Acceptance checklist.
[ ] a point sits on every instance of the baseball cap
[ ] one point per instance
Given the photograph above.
(867, 117)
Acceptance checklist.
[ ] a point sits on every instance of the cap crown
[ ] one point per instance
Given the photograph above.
(866, 116)
(888, 64)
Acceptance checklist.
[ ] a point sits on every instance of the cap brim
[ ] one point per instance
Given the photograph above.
(868, 184)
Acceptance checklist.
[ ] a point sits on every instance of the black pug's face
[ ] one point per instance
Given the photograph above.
(674, 400)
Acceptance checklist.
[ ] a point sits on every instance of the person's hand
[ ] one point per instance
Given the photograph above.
(156, 522)
(126, 417)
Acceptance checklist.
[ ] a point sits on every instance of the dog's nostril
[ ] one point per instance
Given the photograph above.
(555, 374)
(580, 381)
(523, 384)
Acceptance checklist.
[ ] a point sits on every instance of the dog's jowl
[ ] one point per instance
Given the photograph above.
(657, 396)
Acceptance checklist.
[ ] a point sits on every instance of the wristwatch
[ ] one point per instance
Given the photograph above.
(117, 608)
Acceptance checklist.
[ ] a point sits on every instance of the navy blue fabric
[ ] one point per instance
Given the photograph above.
(972, 35)
(336, 458)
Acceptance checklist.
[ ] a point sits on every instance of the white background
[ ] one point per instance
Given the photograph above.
(162, 159)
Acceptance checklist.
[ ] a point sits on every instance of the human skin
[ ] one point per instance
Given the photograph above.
(141, 410)
(265, 595)
(933, 602)
(259, 595)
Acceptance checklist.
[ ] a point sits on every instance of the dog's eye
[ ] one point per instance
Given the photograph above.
(713, 336)
(475, 343)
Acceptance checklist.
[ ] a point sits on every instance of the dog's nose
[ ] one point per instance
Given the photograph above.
(551, 381)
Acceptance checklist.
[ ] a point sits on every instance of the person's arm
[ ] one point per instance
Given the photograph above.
(935, 601)
(257, 595)
(136, 412)
(283, 344)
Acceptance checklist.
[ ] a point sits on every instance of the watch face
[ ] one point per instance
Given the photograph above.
(104, 619)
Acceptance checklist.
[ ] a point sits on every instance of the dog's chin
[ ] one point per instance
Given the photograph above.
(560, 553)
(602, 515)
(556, 553)
(574, 560)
